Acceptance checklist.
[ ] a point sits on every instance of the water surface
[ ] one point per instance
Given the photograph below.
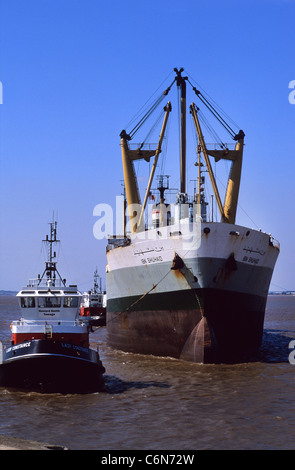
(153, 403)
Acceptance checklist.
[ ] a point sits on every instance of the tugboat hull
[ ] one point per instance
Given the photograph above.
(50, 366)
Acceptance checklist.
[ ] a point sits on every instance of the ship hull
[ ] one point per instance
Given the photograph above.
(233, 325)
(202, 305)
(50, 366)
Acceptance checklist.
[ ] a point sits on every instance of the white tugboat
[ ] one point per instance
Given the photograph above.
(49, 348)
(94, 303)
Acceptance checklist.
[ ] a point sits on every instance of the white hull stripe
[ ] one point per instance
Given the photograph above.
(27, 356)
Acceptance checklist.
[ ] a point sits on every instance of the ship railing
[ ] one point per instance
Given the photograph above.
(49, 323)
(143, 146)
(217, 146)
(116, 241)
(37, 282)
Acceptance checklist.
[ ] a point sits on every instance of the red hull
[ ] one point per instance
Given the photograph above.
(80, 339)
(92, 311)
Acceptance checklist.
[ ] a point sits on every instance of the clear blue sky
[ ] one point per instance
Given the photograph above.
(75, 72)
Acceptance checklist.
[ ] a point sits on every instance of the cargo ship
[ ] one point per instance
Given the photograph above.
(49, 349)
(184, 285)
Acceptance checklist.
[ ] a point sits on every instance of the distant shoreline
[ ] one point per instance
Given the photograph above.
(287, 292)
(8, 292)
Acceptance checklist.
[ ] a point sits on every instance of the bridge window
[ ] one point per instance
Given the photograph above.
(48, 302)
(27, 302)
(71, 302)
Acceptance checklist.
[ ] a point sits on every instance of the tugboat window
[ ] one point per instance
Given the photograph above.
(47, 302)
(27, 302)
(71, 302)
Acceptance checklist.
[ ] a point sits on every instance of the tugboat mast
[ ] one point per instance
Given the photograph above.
(95, 285)
(50, 265)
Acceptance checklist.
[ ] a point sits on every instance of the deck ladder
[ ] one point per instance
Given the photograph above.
(48, 331)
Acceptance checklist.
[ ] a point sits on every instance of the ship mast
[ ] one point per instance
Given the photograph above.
(227, 209)
(50, 265)
(199, 178)
(207, 160)
(128, 156)
(181, 83)
(95, 284)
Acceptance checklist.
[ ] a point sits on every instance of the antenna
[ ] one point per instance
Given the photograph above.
(50, 265)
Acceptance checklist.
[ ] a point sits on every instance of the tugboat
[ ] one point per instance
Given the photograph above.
(49, 349)
(94, 304)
